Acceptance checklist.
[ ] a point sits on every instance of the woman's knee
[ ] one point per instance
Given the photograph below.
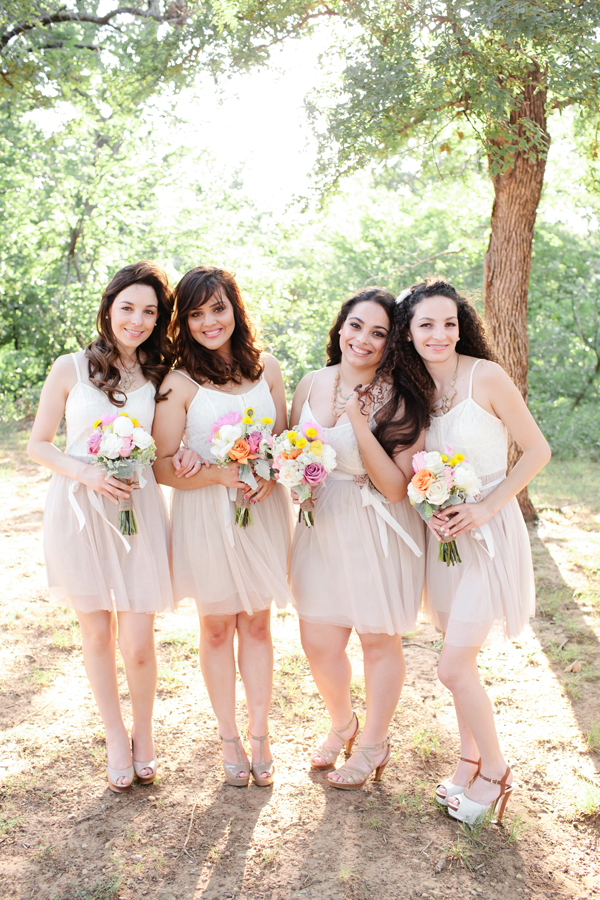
(98, 633)
(381, 646)
(137, 650)
(217, 631)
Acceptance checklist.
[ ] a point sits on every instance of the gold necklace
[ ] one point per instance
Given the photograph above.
(339, 400)
(127, 375)
(443, 405)
(223, 387)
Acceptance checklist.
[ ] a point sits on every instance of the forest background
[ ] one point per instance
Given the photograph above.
(113, 147)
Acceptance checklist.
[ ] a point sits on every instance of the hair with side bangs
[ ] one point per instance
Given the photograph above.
(194, 290)
(155, 355)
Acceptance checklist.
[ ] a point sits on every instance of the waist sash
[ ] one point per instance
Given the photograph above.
(369, 498)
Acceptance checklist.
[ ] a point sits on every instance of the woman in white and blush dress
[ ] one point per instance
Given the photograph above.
(362, 565)
(476, 406)
(112, 582)
(234, 574)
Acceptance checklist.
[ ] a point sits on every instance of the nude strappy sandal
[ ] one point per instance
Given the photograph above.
(233, 771)
(357, 777)
(330, 756)
(262, 765)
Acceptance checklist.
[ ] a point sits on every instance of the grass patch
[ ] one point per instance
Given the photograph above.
(564, 482)
(104, 889)
(425, 743)
(593, 736)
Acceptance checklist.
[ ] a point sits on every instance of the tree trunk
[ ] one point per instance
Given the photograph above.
(507, 265)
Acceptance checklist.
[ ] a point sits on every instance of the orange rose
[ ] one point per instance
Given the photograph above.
(422, 480)
(293, 454)
(240, 450)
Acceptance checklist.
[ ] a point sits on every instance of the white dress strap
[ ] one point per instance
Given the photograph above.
(185, 375)
(471, 378)
(75, 363)
(311, 387)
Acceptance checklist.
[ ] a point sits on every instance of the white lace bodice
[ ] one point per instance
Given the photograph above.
(470, 430)
(209, 405)
(86, 403)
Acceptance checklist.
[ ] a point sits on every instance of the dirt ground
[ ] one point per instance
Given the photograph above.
(64, 835)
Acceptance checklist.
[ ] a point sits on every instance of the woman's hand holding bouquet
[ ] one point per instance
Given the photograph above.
(240, 439)
(123, 449)
(302, 460)
(442, 480)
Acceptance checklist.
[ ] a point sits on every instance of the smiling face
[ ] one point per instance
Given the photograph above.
(213, 323)
(133, 315)
(434, 329)
(364, 334)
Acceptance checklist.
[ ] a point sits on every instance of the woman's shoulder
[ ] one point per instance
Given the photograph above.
(179, 381)
(487, 372)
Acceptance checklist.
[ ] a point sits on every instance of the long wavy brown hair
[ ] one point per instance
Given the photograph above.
(194, 290)
(399, 422)
(155, 355)
(473, 339)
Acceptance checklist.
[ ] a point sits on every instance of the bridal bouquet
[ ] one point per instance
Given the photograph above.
(441, 480)
(237, 438)
(301, 460)
(123, 449)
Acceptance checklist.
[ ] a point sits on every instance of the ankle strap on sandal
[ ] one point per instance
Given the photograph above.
(374, 747)
(501, 782)
(338, 731)
(474, 762)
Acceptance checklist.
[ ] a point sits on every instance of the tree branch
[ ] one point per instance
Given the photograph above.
(67, 16)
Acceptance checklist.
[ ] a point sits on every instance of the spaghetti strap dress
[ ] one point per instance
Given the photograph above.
(224, 568)
(362, 564)
(90, 565)
(493, 587)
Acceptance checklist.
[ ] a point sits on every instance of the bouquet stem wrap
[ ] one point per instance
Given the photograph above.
(127, 522)
(306, 511)
(243, 516)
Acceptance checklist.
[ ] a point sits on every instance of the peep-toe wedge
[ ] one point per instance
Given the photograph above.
(330, 755)
(452, 790)
(140, 766)
(357, 777)
(471, 812)
(114, 775)
(236, 774)
(262, 765)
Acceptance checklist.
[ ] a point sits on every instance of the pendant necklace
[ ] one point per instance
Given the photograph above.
(443, 405)
(339, 400)
(127, 376)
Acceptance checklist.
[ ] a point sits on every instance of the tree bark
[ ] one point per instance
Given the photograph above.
(507, 264)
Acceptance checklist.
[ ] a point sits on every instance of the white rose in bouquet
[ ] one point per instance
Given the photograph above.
(437, 492)
(228, 435)
(290, 474)
(110, 445)
(328, 457)
(466, 480)
(123, 426)
(141, 438)
(414, 495)
(433, 462)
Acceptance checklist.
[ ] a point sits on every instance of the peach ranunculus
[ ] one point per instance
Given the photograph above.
(240, 450)
(422, 480)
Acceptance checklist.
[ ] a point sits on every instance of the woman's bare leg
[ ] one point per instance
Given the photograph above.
(136, 643)
(255, 661)
(98, 640)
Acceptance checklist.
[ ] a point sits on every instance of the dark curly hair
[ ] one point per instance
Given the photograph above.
(155, 355)
(401, 419)
(195, 288)
(473, 340)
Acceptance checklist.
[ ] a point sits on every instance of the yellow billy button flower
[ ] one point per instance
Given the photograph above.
(249, 413)
(292, 437)
(444, 457)
(316, 447)
(311, 433)
(135, 422)
(459, 457)
(124, 414)
(247, 420)
(97, 423)
(301, 443)
(266, 420)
